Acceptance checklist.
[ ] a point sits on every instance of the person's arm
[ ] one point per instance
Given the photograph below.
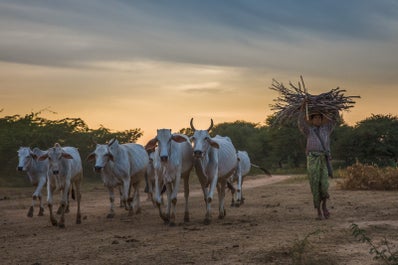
(303, 122)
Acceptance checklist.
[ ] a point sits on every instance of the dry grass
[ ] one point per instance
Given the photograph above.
(369, 177)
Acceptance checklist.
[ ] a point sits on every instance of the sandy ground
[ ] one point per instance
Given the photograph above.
(276, 225)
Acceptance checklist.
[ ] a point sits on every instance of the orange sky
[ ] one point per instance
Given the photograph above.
(150, 66)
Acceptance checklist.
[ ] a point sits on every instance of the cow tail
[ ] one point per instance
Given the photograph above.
(263, 169)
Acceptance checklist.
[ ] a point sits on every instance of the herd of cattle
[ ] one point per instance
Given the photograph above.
(165, 160)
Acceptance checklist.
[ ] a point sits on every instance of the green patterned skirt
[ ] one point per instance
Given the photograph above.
(318, 177)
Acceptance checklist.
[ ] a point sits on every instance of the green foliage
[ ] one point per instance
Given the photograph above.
(248, 137)
(384, 252)
(32, 130)
(287, 144)
(278, 148)
(375, 140)
(300, 248)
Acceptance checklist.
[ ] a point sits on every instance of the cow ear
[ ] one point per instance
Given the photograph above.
(151, 144)
(110, 156)
(67, 156)
(33, 155)
(213, 144)
(91, 157)
(178, 138)
(43, 157)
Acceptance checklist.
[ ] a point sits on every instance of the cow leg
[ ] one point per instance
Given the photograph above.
(169, 190)
(30, 211)
(174, 191)
(239, 190)
(121, 203)
(67, 200)
(158, 197)
(136, 204)
(221, 196)
(186, 195)
(64, 203)
(213, 185)
(232, 189)
(50, 191)
(207, 220)
(41, 210)
(37, 194)
(79, 197)
(111, 213)
(126, 193)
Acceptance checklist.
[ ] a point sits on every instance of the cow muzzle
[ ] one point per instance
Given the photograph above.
(164, 158)
(55, 172)
(20, 168)
(97, 169)
(197, 154)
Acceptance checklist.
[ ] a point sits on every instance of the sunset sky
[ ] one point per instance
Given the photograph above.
(155, 64)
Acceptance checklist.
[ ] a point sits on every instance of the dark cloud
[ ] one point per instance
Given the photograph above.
(246, 33)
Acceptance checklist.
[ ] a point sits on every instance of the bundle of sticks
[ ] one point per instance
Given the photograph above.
(290, 102)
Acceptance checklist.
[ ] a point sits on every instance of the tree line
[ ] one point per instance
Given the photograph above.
(373, 140)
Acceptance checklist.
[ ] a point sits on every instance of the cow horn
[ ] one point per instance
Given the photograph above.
(211, 125)
(112, 141)
(191, 123)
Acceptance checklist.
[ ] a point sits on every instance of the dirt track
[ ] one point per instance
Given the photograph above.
(264, 230)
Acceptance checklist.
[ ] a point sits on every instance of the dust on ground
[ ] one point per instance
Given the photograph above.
(275, 225)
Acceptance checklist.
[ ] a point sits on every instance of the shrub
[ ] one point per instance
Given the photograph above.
(369, 177)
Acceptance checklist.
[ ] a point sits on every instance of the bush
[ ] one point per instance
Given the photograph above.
(369, 177)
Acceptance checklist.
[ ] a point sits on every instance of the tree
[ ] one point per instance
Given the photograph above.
(375, 140)
(287, 144)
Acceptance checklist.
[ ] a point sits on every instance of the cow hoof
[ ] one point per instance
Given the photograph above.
(207, 221)
(78, 221)
(110, 215)
(138, 210)
(61, 225)
(30, 212)
(222, 215)
(54, 222)
(41, 212)
(186, 217)
(172, 224)
(237, 205)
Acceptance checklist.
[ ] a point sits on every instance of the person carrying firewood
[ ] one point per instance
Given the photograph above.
(318, 127)
(317, 116)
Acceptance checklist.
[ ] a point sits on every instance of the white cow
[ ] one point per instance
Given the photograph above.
(242, 169)
(36, 171)
(121, 164)
(65, 173)
(172, 160)
(215, 161)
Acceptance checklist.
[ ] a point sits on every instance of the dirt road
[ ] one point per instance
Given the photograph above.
(270, 228)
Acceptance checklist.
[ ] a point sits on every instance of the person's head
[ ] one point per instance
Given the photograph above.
(316, 119)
